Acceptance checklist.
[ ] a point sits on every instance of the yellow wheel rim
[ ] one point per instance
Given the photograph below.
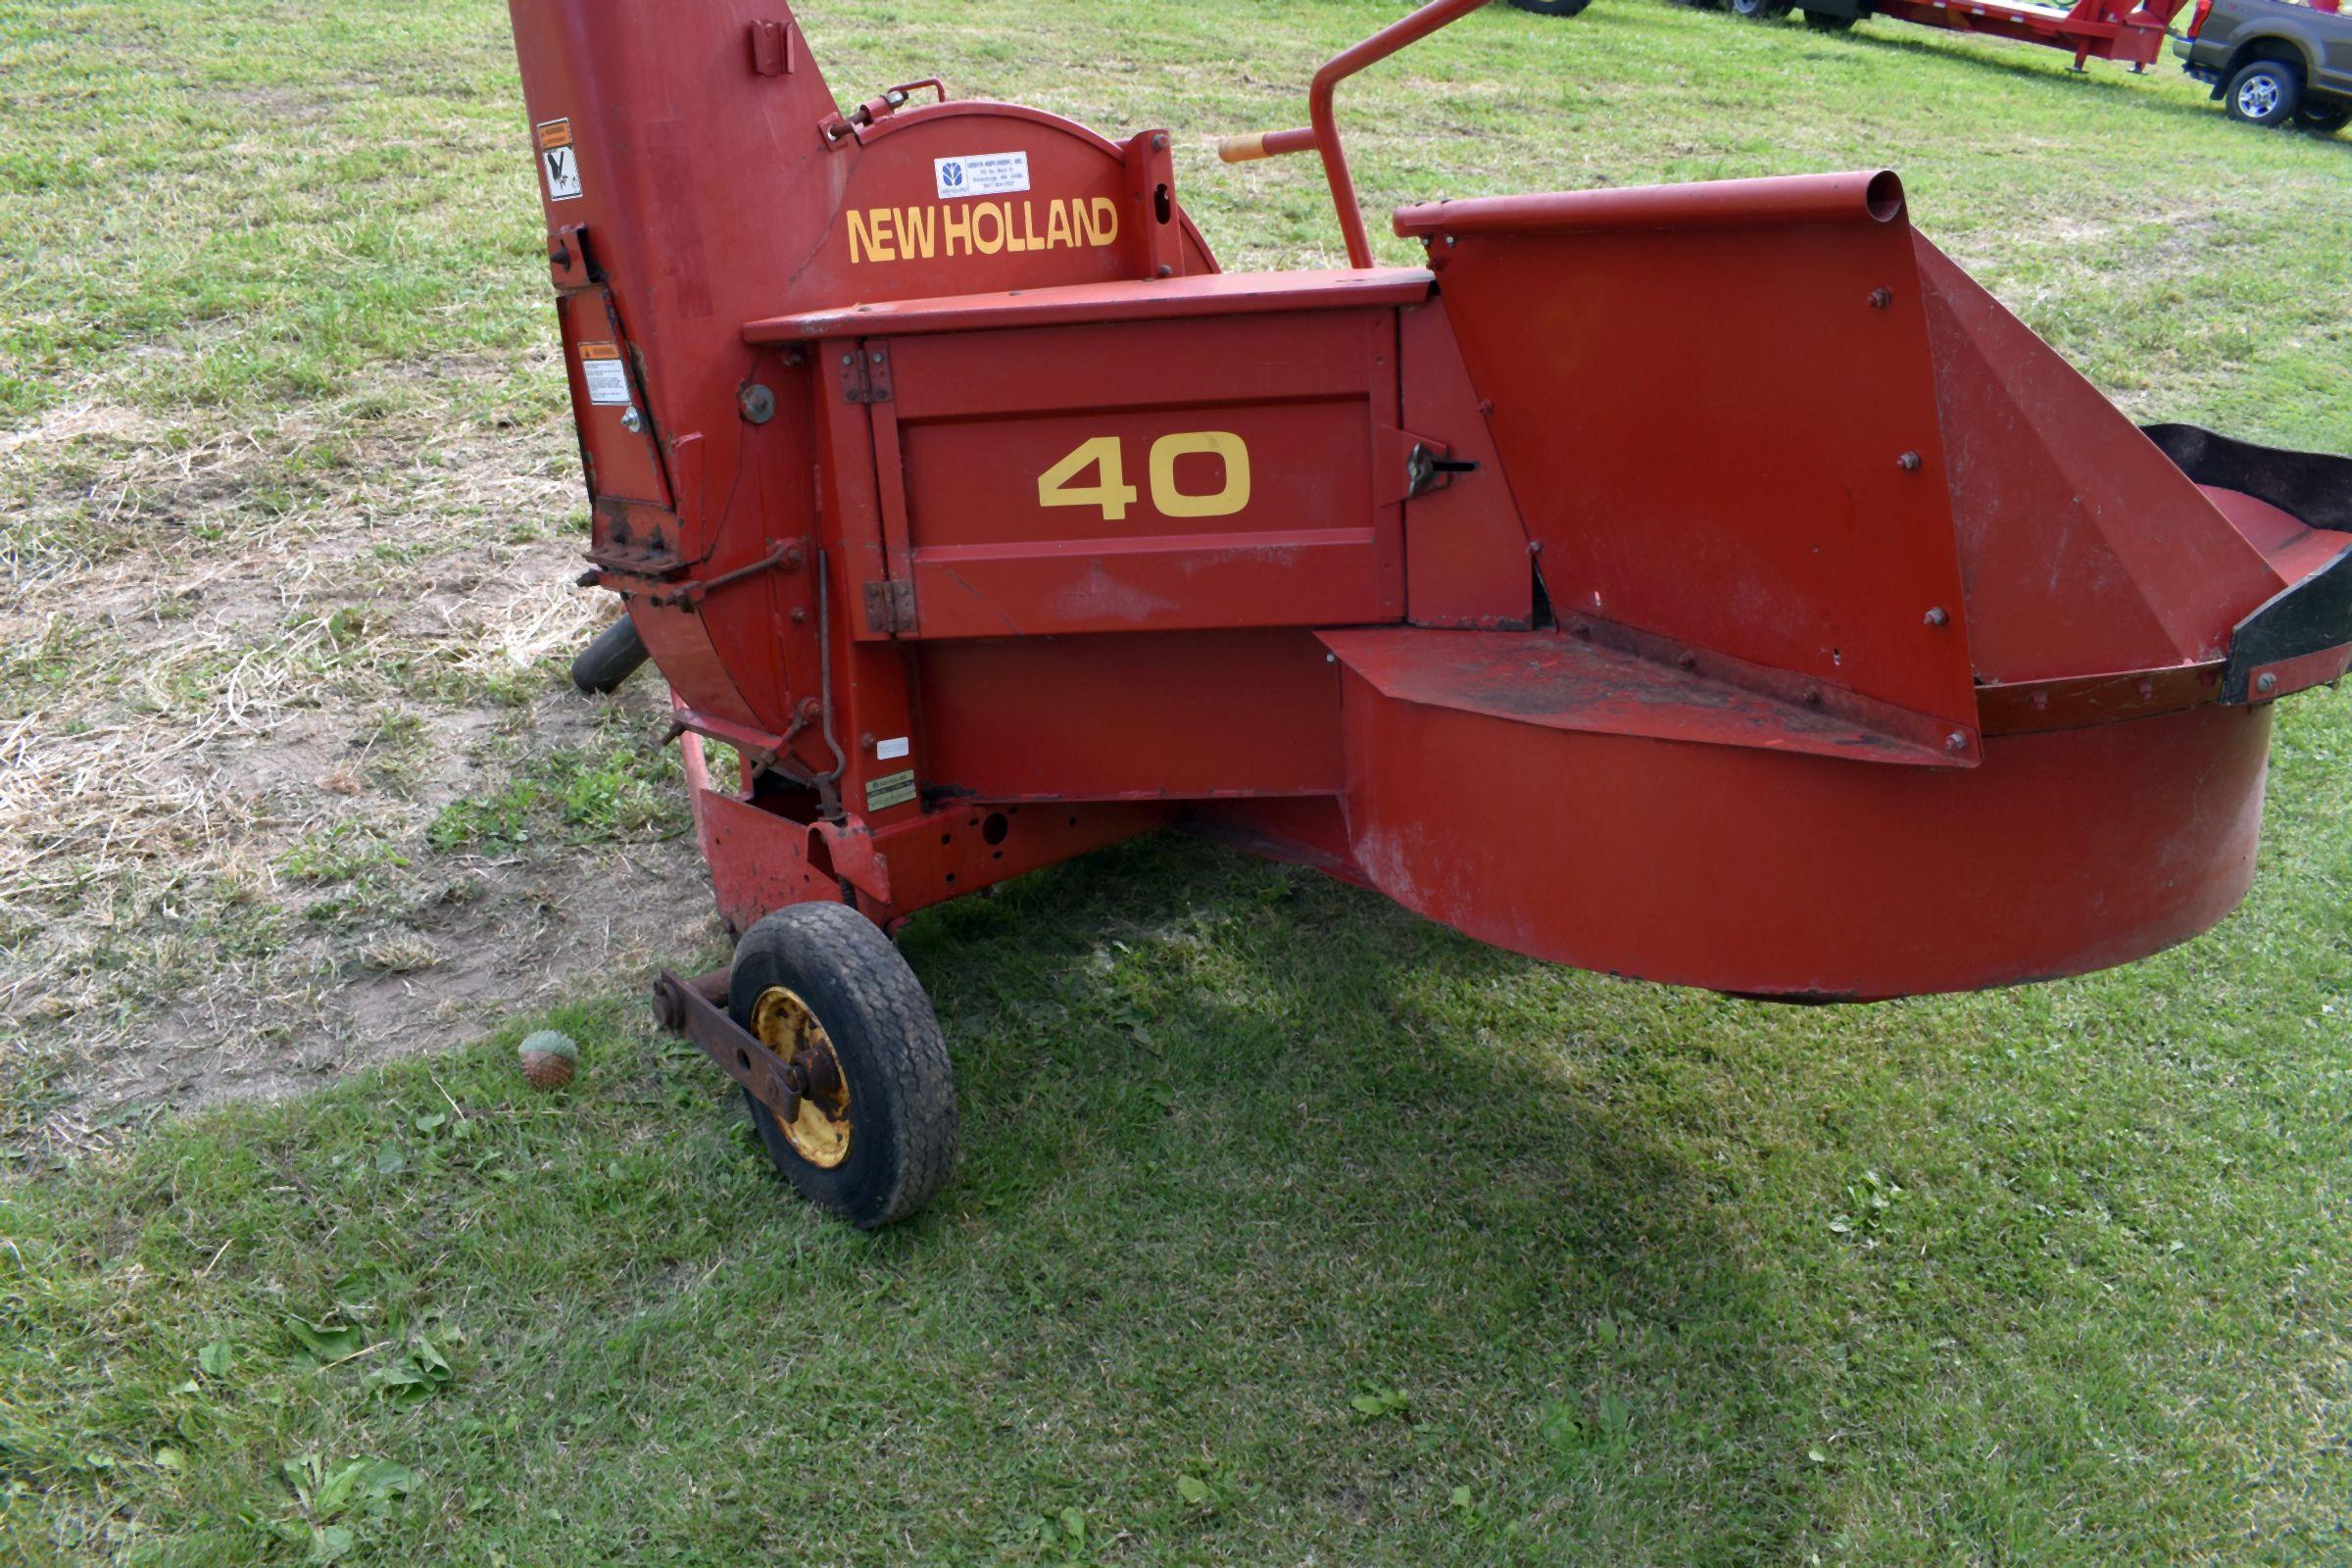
(783, 1023)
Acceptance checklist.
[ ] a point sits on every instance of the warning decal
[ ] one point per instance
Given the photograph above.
(607, 377)
(559, 160)
(981, 175)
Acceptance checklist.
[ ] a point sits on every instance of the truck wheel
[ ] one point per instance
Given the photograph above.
(1552, 8)
(821, 986)
(611, 659)
(2325, 122)
(1828, 21)
(1758, 10)
(2265, 93)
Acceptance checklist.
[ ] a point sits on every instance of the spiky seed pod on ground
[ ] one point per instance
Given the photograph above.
(549, 1060)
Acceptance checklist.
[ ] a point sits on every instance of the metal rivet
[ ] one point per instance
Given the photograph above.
(1908, 462)
(1936, 617)
(632, 421)
(2268, 683)
(1880, 298)
(848, 359)
(1955, 742)
(1160, 141)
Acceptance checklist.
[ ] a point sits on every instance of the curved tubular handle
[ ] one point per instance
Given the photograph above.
(1382, 44)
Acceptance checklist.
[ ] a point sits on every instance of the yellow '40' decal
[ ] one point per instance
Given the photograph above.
(1112, 495)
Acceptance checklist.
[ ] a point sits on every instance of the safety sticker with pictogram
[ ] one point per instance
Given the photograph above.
(559, 160)
(601, 368)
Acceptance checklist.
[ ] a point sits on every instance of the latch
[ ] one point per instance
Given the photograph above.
(568, 257)
(1427, 468)
(837, 129)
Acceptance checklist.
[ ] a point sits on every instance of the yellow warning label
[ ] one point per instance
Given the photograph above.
(949, 230)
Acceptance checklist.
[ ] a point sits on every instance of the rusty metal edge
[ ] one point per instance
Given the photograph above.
(691, 1007)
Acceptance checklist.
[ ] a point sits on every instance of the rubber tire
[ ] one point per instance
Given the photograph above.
(1828, 21)
(1553, 8)
(2323, 121)
(887, 1038)
(1758, 10)
(2291, 92)
(612, 658)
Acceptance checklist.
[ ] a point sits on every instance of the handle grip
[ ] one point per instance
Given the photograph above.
(1264, 144)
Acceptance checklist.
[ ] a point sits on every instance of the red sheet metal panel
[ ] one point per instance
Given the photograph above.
(1165, 716)
(1798, 874)
(1556, 682)
(1079, 304)
(2085, 548)
(1223, 474)
(1467, 560)
(1728, 436)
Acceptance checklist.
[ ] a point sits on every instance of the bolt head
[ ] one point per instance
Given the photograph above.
(1880, 298)
(1908, 462)
(2268, 683)
(1955, 742)
(1937, 615)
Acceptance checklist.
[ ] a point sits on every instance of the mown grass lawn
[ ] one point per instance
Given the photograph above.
(1289, 1229)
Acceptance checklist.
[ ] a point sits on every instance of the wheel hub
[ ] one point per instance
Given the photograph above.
(2259, 96)
(818, 1128)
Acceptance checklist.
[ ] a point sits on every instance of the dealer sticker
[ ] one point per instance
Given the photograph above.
(607, 377)
(559, 160)
(981, 175)
(891, 789)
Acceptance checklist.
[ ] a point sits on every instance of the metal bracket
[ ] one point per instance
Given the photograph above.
(890, 607)
(864, 373)
(785, 557)
(693, 1008)
(568, 257)
(775, 48)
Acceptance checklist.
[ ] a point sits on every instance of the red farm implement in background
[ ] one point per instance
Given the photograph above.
(2132, 31)
(984, 521)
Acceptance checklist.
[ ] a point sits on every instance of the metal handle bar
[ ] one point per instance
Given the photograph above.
(1323, 133)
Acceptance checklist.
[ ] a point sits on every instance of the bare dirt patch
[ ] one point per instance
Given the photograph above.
(280, 710)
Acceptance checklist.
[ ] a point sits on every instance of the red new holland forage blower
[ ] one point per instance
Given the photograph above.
(1708, 583)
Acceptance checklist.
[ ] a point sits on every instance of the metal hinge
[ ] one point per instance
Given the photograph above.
(890, 607)
(864, 373)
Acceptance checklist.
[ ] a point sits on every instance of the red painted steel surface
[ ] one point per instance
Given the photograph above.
(1706, 582)
(1789, 512)
(1779, 872)
(1219, 294)
(2090, 30)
